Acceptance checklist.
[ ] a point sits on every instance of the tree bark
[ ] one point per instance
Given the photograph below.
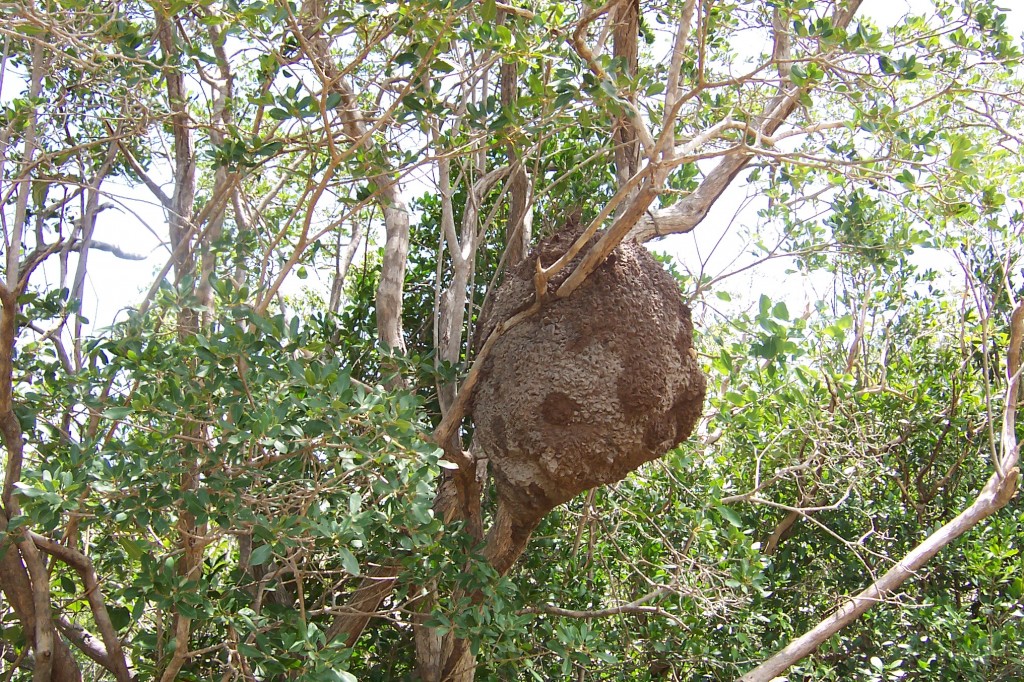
(182, 232)
(396, 212)
(624, 50)
(519, 230)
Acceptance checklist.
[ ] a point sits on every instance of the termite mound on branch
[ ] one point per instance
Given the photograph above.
(589, 387)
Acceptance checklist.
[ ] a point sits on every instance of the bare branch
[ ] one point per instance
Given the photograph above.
(687, 213)
(635, 606)
(161, 196)
(672, 88)
(996, 494)
(112, 249)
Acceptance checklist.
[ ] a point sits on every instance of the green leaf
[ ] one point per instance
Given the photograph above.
(348, 561)
(120, 617)
(488, 10)
(729, 515)
(564, 99)
(260, 555)
(798, 74)
(117, 413)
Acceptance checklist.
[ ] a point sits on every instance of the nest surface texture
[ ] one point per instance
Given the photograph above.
(592, 385)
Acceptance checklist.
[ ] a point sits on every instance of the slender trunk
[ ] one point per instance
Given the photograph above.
(996, 494)
(392, 274)
(14, 254)
(506, 541)
(396, 212)
(182, 233)
(222, 178)
(624, 36)
(86, 230)
(342, 262)
(519, 230)
(24, 579)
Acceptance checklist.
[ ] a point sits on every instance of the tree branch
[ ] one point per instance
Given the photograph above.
(635, 606)
(687, 213)
(112, 249)
(996, 494)
(116, 661)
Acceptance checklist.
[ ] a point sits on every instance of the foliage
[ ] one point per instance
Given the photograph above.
(241, 455)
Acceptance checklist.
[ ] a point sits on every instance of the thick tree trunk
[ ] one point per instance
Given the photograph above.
(450, 659)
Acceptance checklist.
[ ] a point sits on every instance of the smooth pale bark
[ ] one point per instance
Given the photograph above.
(24, 579)
(13, 272)
(23, 576)
(451, 316)
(687, 213)
(20, 591)
(342, 262)
(86, 227)
(396, 212)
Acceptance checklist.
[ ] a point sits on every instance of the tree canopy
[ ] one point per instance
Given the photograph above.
(264, 467)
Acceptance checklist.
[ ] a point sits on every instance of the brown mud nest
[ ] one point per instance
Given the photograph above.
(589, 387)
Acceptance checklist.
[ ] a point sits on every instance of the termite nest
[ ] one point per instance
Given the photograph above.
(590, 386)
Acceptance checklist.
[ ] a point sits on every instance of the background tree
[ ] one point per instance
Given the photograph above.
(246, 477)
